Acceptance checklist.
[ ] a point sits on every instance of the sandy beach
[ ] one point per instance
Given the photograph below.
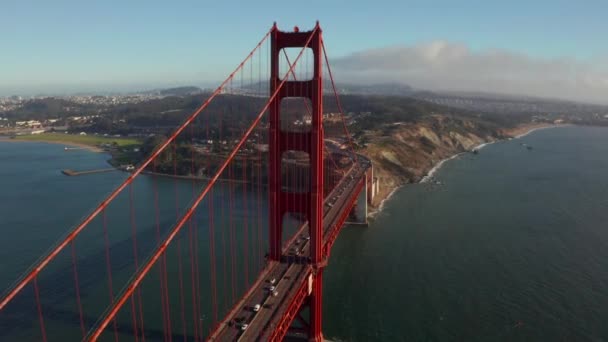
(522, 130)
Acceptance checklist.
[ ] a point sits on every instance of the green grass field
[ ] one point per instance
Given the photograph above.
(92, 140)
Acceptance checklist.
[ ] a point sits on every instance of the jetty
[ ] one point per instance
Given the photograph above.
(69, 172)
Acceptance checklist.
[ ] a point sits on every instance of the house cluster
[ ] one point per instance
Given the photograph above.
(10, 103)
(306, 120)
(111, 100)
(82, 118)
(28, 124)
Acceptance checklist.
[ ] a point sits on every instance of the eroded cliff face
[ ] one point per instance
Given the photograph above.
(405, 152)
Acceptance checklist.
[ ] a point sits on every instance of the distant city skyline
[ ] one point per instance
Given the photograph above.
(546, 48)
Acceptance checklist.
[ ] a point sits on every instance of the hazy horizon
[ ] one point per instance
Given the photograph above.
(92, 90)
(72, 47)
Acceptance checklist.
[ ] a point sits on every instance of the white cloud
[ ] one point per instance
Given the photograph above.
(442, 65)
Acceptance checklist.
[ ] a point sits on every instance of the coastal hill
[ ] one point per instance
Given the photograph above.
(403, 136)
(177, 91)
(510, 104)
(404, 152)
(406, 137)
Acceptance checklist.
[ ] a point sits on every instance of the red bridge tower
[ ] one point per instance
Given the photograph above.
(310, 202)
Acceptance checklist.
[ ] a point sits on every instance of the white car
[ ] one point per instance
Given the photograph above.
(256, 308)
(244, 326)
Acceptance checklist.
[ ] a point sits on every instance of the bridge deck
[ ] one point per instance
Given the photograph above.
(291, 272)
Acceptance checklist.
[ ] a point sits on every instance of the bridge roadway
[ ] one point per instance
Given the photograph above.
(292, 272)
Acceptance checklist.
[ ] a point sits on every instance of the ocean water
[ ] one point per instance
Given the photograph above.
(512, 246)
(38, 205)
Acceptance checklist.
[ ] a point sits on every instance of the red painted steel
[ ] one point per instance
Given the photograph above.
(306, 290)
(160, 250)
(292, 311)
(38, 266)
(312, 142)
(260, 279)
(338, 102)
(77, 289)
(335, 230)
(39, 308)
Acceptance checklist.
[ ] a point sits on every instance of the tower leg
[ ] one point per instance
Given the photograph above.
(316, 308)
(310, 203)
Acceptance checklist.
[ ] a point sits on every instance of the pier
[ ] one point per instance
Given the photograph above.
(69, 172)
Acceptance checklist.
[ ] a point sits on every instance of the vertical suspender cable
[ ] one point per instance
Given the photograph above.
(140, 275)
(179, 249)
(77, 289)
(109, 268)
(161, 265)
(135, 257)
(39, 308)
(245, 227)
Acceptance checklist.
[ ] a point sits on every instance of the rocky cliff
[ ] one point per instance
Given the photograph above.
(405, 152)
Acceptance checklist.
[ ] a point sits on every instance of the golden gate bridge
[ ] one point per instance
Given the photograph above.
(235, 254)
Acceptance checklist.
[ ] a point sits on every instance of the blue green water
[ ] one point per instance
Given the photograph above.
(39, 204)
(512, 246)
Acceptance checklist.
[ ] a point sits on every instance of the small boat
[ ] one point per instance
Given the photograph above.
(475, 151)
(529, 147)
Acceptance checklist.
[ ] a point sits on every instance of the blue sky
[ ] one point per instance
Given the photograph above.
(50, 46)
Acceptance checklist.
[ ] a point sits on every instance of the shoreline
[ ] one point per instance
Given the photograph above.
(523, 130)
(90, 148)
(436, 167)
(514, 133)
(380, 207)
(538, 129)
